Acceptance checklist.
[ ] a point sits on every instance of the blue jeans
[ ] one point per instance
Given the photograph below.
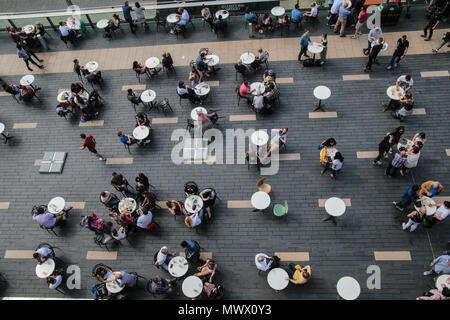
(165, 265)
(201, 214)
(138, 97)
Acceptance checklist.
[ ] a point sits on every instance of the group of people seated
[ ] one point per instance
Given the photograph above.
(297, 273)
(25, 93)
(70, 33)
(217, 23)
(94, 77)
(80, 98)
(46, 219)
(183, 20)
(42, 254)
(403, 107)
(261, 102)
(31, 40)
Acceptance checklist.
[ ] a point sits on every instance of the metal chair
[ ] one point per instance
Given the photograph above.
(164, 106)
(280, 210)
(160, 22)
(49, 230)
(102, 239)
(238, 94)
(97, 267)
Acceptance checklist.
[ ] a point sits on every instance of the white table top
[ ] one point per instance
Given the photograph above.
(192, 287)
(102, 24)
(331, 152)
(214, 60)
(172, 18)
(189, 203)
(247, 58)
(395, 94)
(277, 11)
(408, 144)
(152, 62)
(224, 13)
(141, 132)
(178, 266)
(277, 279)
(64, 96)
(127, 205)
(259, 137)
(148, 95)
(28, 28)
(115, 286)
(27, 80)
(258, 86)
(2, 127)
(385, 45)
(56, 205)
(348, 288)
(73, 23)
(443, 278)
(335, 207)
(91, 66)
(45, 269)
(260, 200)
(194, 115)
(322, 92)
(315, 48)
(202, 89)
(426, 202)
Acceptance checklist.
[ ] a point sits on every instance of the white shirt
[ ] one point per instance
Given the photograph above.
(57, 282)
(263, 266)
(374, 33)
(144, 220)
(337, 164)
(412, 160)
(403, 79)
(259, 102)
(107, 194)
(195, 220)
(181, 91)
(335, 7)
(313, 12)
(442, 212)
(120, 236)
(161, 258)
(64, 30)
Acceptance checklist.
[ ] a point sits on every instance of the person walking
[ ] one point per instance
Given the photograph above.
(140, 15)
(26, 57)
(373, 54)
(398, 162)
(304, 41)
(362, 18)
(89, 143)
(342, 20)
(126, 9)
(372, 37)
(432, 24)
(445, 39)
(400, 51)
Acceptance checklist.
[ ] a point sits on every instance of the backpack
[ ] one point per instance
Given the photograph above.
(99, 291)
(308, 63)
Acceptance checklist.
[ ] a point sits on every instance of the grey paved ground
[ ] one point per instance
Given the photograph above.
(236, 235)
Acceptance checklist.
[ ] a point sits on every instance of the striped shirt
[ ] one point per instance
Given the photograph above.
(399, 160)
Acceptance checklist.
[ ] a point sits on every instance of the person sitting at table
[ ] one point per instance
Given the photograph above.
(208, 269)
(299, 274)
(145, 217)
(267, 22)
(142, 184)
(265, 263)
(92, 77)
(430, 188)
(219, 24)
(126, 279)
(161, 285)
(436, 294)
(407, 104)
(163, 258)
(213, 291)
(245, 92)
(66, 33)
(207, 16)
(98, 224)
(77, 68)
(142, 120)
(279, 139)
(125, 220)
(140, 68)
(109, 200)
(405, 82)
(284, 20)
(191, 250)
(185, 92)
(270, 94)
(102, 273)
(43, 254)
(261, 58)
(258, 101)
(126, 138)
(40, 35)
(209, 198)
(312, 14)
(412, 158)
(269, 77)
(149, 200)
(55, 280)
(250, 16)
(15, 35)
(26, 92)
(241, 68)
(113, 24)
(204, 120)
(134, 97)
(195, 77)
(414, 219)
(190, 189)
(184, 18)
(47, 219)
(419, 137)
(442, 212)
(167, 61)
(176, 208)
(296, 14)
(202, 64)
(121, 184)
(12, 89)
(194, 219)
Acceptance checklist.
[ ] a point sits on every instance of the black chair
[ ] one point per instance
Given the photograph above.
(97, 267)
(190, 124)
(192, 186)
(169, 69)
(164, 106)
(160, 22)
(103, 239)
(238, 94)
(49, 230)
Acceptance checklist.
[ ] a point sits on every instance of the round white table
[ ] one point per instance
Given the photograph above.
(277, 279)
(45, 269)
(192, 286)
(172, 18)
(406, 143)
(214, 60)
(64, 96)
(348, 288)
(277, 11)
(102, 24)
(148, 96)
(152, 62)
(27, 80)
(194, 114)
(2, 127)
(224, 13)
(127, 205)
(257, 86)
(442, 279)
(73, 23)
(247, 58)
(335, 207)
(191, 201)
(4, 134)
(321, 93)
(114, 286)
(178, 266)
(141, 132)
(260, 200)
(28, 29)
(385, 45)
(202, 89)
(426, 202)
(91, 66)
(56, 205)
(315, 48)
(395, 94)
(331, 152)
(259, 137)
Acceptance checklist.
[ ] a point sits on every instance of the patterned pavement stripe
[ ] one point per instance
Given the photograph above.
(289, 156)
(429, 74)
(392, 255)
(134, 87)
(119, 160)
(18, 254)
(355, 77)
(366, 154)
(321, 115)
(101, 255)
(235, 204)
(92, 123)
(164, 120)
(4, 205)
(25, 125)
(243, 117)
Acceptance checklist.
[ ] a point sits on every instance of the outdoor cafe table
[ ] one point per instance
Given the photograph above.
(141, 132)
(247, 58)
(321, 93)
(28, 29)
(152, 62)
(442, 279)
(178, 266)
(277, 279)
(214, 60)
(257, 86)
(277, 11)
(56, 205)
(260, 200)
(335, 207)
(27, 80)
(406, 143)
(191, 201)
(394, 93)
(315, 48)
(348, 288)
(102, 24)
(127, 205)
(45, 269)
(91, 66)
(224, 13)
(172, 18)
(194, 114)
(426, 202)
(192, 286)
(114, 286)
(259, 137)
(148, 96)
